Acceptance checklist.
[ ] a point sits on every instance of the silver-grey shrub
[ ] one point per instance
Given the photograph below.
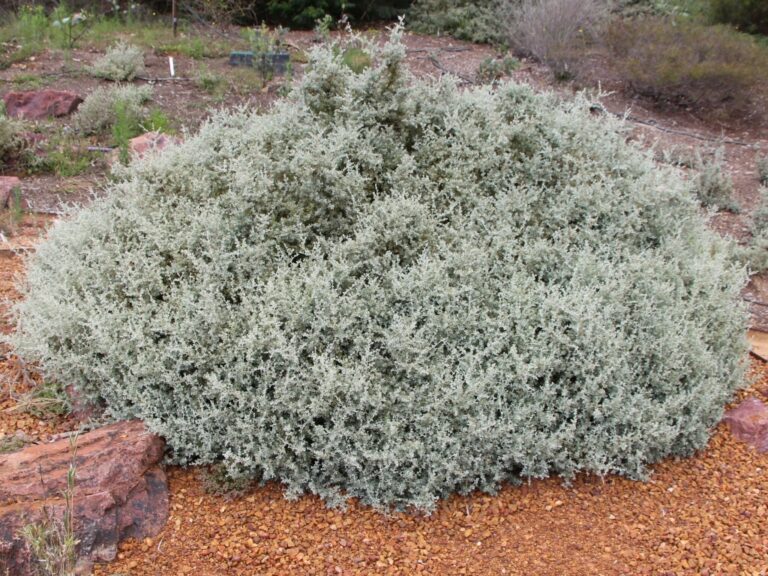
(122, 62)
(99, 110)
(395, 290)
(713, 184)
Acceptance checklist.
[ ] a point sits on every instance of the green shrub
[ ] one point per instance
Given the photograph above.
(32, 24)
(210, 81)
(494, 69)
(396, 290)
(98, 113)
(12, 142)
(688, 64)
(747, 15)
(473, 20)
(122, 62)
(296, 13)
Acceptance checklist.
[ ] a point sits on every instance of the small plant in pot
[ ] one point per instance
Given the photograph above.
(268, 53)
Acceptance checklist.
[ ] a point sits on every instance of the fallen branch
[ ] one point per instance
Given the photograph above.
(167, 79)
(437, 64)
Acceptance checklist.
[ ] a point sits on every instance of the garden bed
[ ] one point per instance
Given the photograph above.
(704, 515)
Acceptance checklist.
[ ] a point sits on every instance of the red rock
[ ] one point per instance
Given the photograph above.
(147, 142)
(749, 423)
(150, 141)
(120, 492)
(40, 104)
(7, 184)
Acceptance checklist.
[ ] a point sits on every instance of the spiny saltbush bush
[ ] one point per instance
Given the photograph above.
(396, 290)
(102, 107)
(713, 184)
(122, 62)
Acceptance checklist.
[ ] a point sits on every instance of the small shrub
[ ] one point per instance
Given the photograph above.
(126, 126)
(473, 20)
(12, 142)
(11, 218)
(10, 444)
(688, 64)
(713, 185)
(43, 400)
(32, 24)
(156, 121)
(760, 216)
(323, 27)
(746, 15)
(755, 254)
(98, 113)
(762, 168)
(682, 156)
(396, 290)
(209, 81)
(494, 69)
(554, 31)
(24, 35)
(52, 540)
(67, 27)
(674, 8)
(122, 62)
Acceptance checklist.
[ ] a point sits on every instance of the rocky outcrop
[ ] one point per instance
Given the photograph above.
(120, 492)
(41, 104)
(749, 422)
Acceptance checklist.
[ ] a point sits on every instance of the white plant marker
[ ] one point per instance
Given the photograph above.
(170, 65)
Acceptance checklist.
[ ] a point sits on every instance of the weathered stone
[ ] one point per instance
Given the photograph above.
(749, 422)
(40, 104)
(7, 184)
(141, 145)
(120, 492)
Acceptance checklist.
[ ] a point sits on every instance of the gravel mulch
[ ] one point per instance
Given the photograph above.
(707, 515)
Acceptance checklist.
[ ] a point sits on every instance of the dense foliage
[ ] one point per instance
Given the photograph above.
(102, 107)
(121, 63)
(473, 20)
(11, 138)
(396, 290)
(747, 15)
(709, 68)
